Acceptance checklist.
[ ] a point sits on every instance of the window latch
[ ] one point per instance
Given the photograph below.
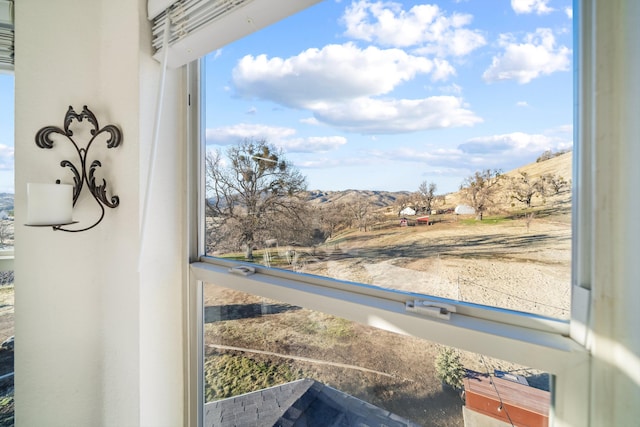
(243, 270)
(432, 309)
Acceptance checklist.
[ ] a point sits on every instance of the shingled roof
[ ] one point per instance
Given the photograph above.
(302, 403)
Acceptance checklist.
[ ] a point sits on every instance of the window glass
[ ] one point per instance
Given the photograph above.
(6, 249)
(420, 147)
(269, 362)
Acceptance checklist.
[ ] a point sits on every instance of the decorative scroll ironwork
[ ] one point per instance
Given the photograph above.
(83, 175)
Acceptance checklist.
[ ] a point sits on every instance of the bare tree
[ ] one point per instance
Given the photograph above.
(546, 155)
(556, 182)
(524, 188)
(331, 218)
(250, 193)
(479, 190)
(427, 195)
(362, 213)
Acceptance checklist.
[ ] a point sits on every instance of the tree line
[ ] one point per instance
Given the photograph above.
(483, 189)
(256, 198)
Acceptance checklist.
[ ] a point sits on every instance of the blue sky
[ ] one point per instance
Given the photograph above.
(385, 95)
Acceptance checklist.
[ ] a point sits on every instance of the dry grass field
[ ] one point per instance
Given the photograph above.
(388, 370)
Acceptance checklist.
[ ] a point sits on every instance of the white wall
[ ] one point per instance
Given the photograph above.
(98, 341)
(615, 145)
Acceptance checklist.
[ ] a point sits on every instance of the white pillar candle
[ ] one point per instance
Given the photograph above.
(49, 204)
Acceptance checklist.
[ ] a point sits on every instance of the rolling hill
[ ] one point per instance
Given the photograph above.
(560, 165)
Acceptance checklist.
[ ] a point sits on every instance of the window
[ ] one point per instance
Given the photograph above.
(6, 249)
(422, 173)
(379, 290)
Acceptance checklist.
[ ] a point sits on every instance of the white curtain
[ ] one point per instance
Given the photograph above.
(6, 35)
(198, 27)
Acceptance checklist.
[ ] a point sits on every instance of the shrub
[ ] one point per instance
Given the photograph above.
(449, 368)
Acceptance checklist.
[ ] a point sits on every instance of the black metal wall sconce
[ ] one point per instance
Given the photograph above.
(51, 205)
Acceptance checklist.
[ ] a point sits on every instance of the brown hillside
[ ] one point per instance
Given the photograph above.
(377, 198)
(559, 166)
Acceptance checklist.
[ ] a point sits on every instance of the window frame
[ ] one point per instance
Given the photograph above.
(489, 332)
(193, 319)
(552, 345)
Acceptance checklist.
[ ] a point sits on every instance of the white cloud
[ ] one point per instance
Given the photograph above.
(531, 6)
(424, 27)
(236, 133)
(440, 157)
(371, 116)
(522, 104)
(313, 144)
(6, 157)
(453, 89)
(564, 129)
(536, 56)
(569, 12)
(331, 73)
(442, 70)
(217, 54)
(343, 85)
(512, 146)
(311, 121)
(279, 136)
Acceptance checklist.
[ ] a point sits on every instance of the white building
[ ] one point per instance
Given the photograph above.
(408, 211)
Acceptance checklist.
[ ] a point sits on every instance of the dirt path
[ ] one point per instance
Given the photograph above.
(301, 359)
(504, 265)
